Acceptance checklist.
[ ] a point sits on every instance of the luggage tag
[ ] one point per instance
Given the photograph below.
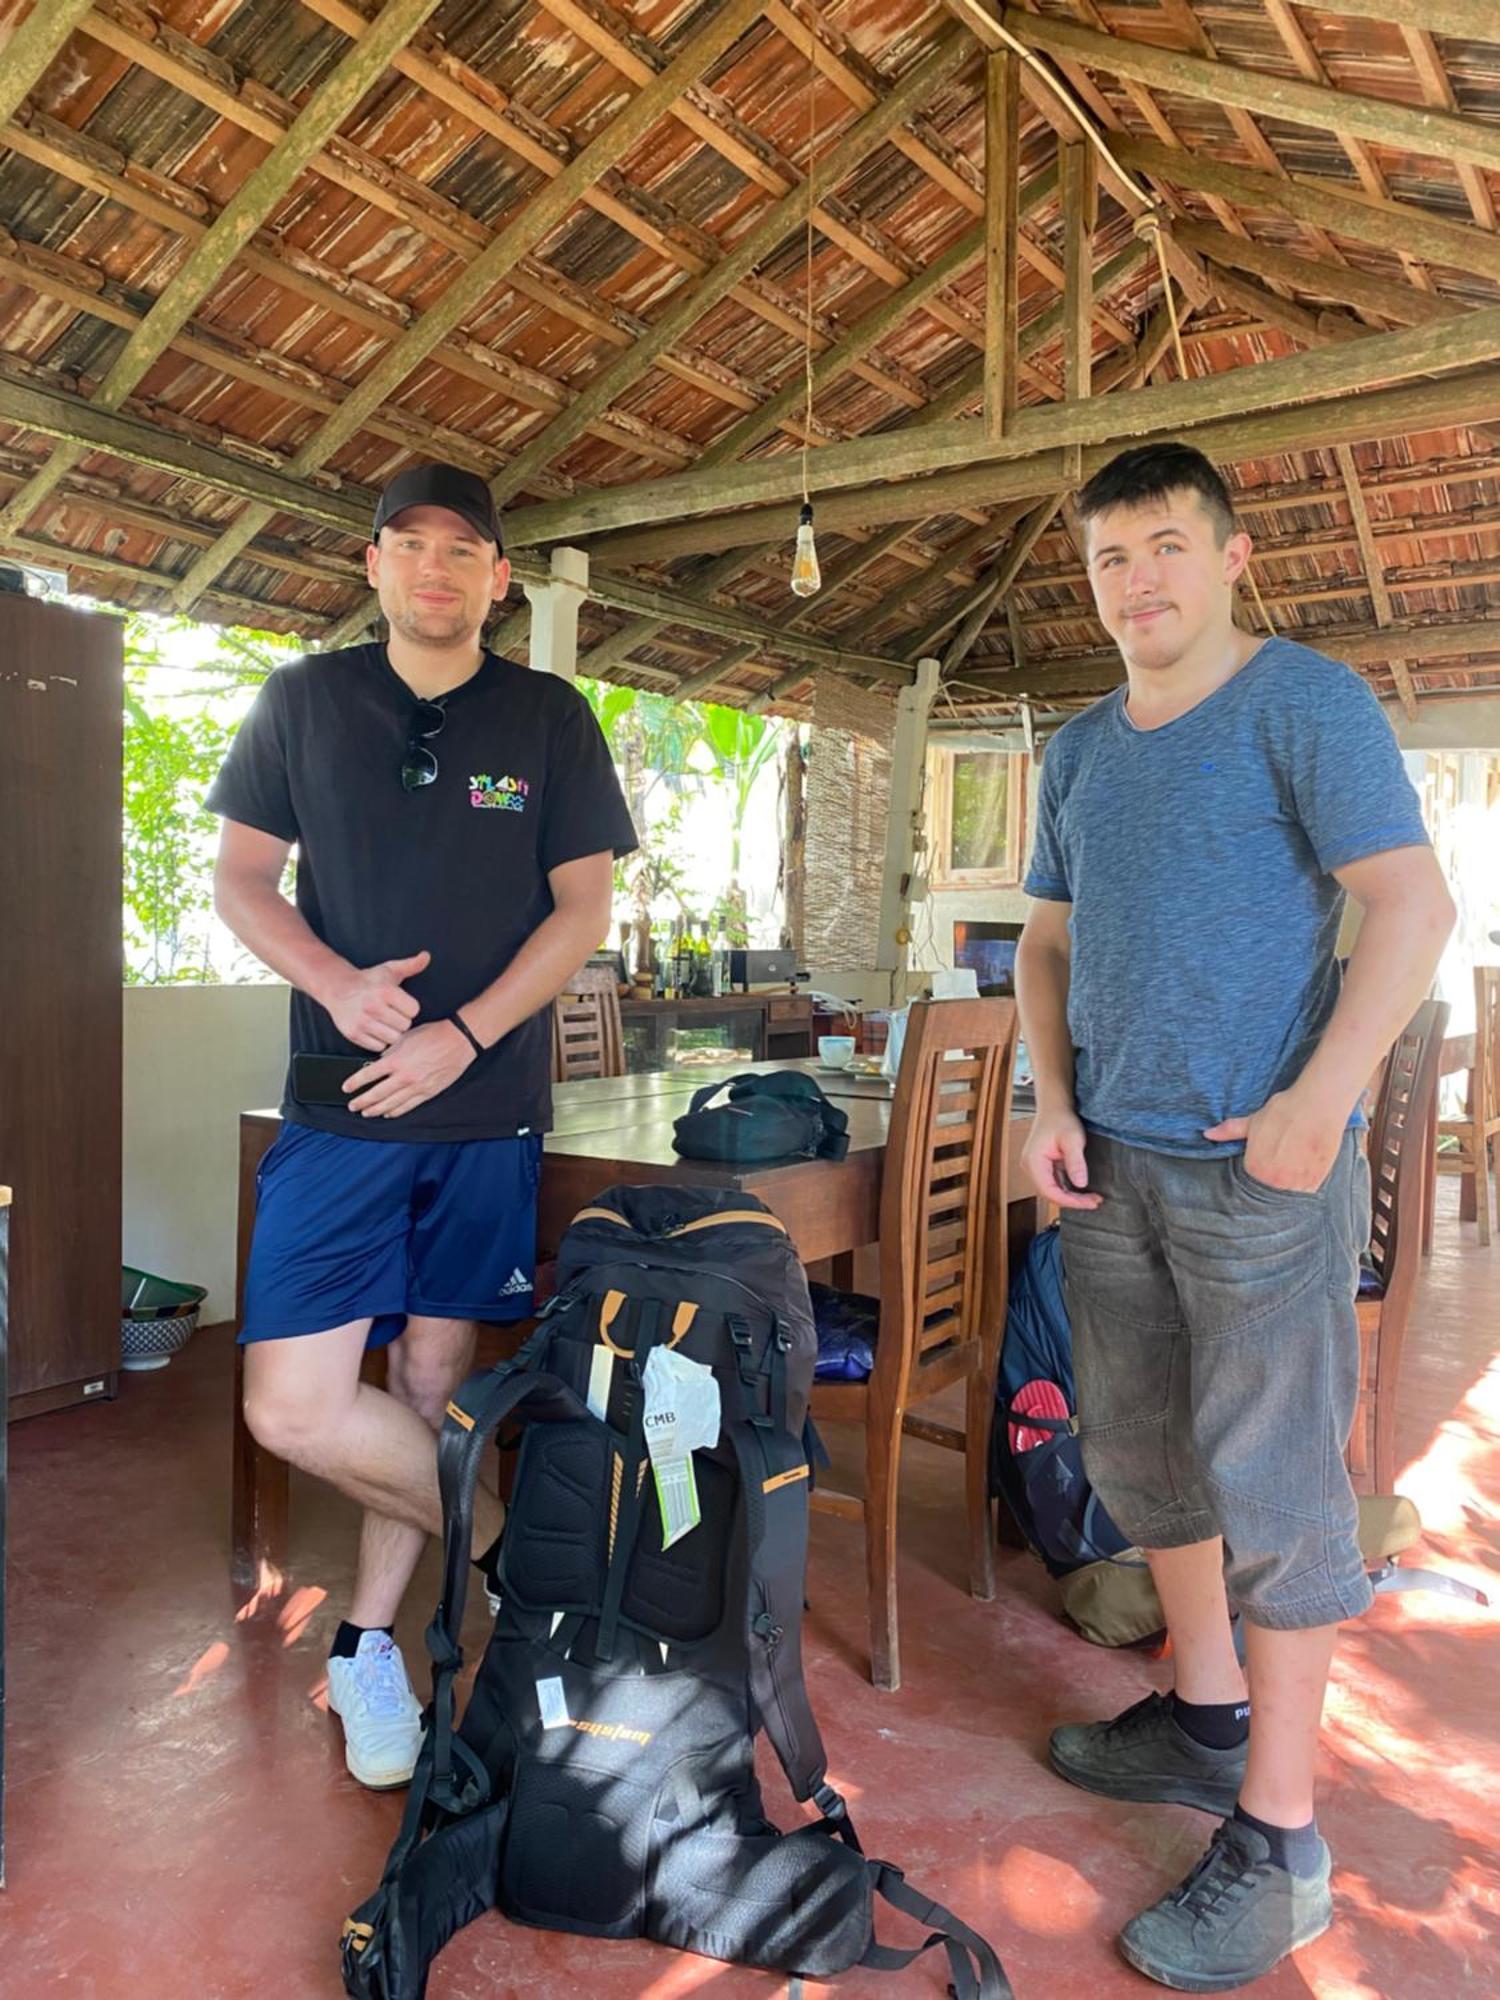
(681, 1416)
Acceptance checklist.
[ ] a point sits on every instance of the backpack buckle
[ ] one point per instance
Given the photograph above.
(830, 1803)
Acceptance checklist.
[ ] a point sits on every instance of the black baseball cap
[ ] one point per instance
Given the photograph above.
(441, 486)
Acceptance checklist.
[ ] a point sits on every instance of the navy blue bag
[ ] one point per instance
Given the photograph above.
(1036, 1461)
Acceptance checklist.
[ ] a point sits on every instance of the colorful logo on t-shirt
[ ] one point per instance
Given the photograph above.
(498, 794)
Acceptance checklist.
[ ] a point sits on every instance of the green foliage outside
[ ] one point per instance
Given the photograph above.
(981, 811)
(179, 720)
(675, 748)
(188, 686)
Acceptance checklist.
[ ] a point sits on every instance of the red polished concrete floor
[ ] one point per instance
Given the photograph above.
(180, 1822)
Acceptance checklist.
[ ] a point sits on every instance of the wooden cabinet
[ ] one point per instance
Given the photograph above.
(60, 922)
(788, 1028)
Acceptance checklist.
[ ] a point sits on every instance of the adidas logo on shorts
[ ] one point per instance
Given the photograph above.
(515, 1284)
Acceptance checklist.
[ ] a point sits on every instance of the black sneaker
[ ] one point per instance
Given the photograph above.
(1146, 1754)
(1233, 1917)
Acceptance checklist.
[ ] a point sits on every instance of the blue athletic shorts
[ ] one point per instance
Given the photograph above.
(349, 1229)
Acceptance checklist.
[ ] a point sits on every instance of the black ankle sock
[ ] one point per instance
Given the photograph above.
(487, 1562)
(1297, 1849)
(346, 1639)
(1217, 1725)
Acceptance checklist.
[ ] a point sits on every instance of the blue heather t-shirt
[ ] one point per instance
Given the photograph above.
(1197, 860)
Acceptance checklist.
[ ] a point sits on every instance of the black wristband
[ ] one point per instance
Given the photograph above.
(468, 1033)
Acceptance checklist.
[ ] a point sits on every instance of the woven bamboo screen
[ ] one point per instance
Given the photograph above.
(848, 808)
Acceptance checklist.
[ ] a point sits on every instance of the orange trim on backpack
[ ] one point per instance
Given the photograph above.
(609, 1312)
(682, 1320)
(460, 1416)
(731, 1215)
(784, 1479)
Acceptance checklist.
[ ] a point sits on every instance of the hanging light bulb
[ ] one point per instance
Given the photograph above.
(806, 576)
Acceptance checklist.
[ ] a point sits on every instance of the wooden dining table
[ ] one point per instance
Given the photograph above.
(620, 1129)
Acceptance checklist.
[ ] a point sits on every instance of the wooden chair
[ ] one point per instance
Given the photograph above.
(1481, 1120)
(943, 1263)
(587, 1038)
(1398, 1174)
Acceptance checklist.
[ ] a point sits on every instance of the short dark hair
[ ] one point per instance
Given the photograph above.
(1151, 472)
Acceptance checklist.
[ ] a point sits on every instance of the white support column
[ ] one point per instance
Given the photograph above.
(554, 614)
(908, 761)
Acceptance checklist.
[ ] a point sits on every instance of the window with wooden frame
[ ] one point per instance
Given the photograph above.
(976, 814)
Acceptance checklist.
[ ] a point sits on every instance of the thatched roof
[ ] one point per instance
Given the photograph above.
(257, 254)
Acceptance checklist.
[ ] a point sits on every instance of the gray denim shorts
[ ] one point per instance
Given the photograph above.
(1217, 1363)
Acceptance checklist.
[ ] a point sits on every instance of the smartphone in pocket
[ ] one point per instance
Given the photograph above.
(320, 1080)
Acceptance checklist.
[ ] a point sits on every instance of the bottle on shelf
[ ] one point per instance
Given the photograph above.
(720, 963)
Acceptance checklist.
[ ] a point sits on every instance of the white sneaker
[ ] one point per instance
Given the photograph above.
(382, 1719)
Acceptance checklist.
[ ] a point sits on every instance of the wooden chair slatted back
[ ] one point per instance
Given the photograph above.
(1487, 1046)
(943, 1233)
(1400, 1136)
(1397, 1139)
(587, 1035)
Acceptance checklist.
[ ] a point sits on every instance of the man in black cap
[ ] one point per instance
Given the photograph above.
(456, 818)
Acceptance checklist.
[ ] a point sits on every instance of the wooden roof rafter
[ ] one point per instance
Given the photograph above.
(1297, 192)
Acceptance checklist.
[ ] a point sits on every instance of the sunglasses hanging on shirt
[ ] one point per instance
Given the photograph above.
(419, 766)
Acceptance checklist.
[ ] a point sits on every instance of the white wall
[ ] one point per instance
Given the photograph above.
(195, 1057)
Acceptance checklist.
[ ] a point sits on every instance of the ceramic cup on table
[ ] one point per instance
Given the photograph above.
(835, 1051)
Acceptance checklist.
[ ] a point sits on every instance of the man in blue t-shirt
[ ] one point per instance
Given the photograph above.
(1198, 1067)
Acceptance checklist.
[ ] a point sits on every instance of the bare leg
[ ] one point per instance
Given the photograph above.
(1288, 1680)
(423, 1368)
(304, 1401)
(1190, 1583)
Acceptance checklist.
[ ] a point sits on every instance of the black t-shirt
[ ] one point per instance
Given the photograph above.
(458, 868)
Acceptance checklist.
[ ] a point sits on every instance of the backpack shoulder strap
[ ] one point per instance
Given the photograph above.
(973, 1966)
(483, 1402)
(774, 1478)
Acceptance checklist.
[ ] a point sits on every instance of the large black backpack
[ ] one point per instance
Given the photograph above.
(602, 1779)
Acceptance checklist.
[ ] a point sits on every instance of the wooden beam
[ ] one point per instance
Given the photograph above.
(228, 605)
(542, 213)
(837, 360)
(753, 247)
(63, 153)
(764, 633)
(1470, 399)
(253, 200)
(1399, 302)
(1385, 121)
(993, 591)
(1080, 185)
(1002, 200)
(1437, 88)
(53, 276)
(1293, 38)
(29, 49)
(1385, 225)
(1313, 328)
(1469, 20)
(1325, 374)
(619, 645)
(1364, 648)
(54, 413)
(1380, 597)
